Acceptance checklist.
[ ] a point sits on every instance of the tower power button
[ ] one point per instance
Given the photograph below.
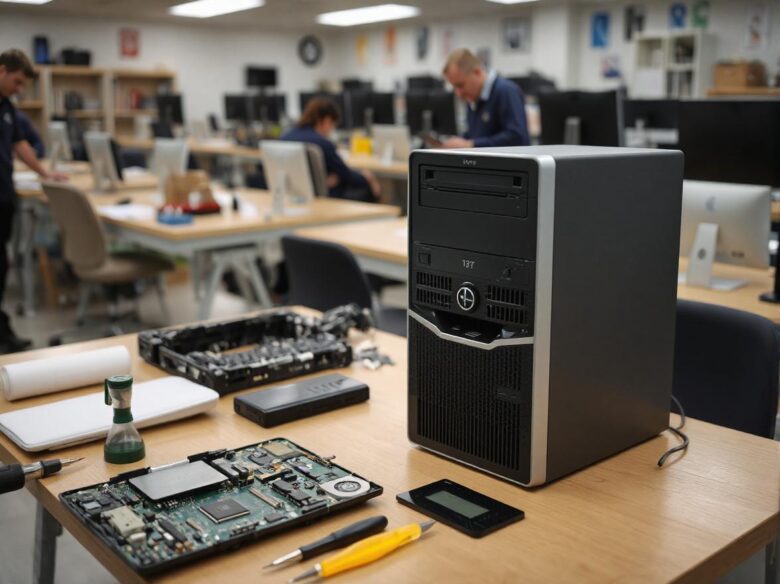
(466, 297)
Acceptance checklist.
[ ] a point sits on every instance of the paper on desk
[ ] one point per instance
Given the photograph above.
(135, 172)
(40, 376)
(86, 418)
(131, 212)
(27, 180)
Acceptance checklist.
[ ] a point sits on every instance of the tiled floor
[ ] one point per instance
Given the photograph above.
(74, 564)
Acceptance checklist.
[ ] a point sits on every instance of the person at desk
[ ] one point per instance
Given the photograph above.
(496, 108)
(15, 71)
(318, 121)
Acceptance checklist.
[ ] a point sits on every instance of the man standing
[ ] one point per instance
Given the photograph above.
(15, 71)
(496, 109)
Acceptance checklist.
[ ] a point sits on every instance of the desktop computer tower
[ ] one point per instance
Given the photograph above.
(542, 297)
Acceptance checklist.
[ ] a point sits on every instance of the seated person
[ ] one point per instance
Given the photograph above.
(30, 134)
(315, 125)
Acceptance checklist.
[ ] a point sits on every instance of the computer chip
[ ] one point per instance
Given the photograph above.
(224, 510)
(281, 450)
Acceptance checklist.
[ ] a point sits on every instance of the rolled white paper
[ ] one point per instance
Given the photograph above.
(41, 376)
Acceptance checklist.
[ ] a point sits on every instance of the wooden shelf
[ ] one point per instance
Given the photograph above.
(84, 113)
(754, 91)
(75, 71)
(135, 113)
(140, 74)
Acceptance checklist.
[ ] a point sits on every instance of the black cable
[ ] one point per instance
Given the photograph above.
(677, 431)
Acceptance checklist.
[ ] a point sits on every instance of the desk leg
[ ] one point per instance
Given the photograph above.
(196, 268)
(772, 564)
(27, 220)
(46, 531)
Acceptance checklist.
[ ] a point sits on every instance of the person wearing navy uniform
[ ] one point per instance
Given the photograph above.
(496, 109)
(15, 71)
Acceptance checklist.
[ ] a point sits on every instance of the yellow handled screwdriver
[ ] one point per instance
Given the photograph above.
(366, 551)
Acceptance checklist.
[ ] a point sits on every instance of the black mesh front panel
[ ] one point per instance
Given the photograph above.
(471, 404)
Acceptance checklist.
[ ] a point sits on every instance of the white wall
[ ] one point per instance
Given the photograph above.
(728, 23)
(209, 62)
(549, 54)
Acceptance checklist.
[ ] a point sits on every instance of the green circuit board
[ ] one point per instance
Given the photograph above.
(155, 519)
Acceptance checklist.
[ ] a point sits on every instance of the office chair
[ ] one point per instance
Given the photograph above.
(85, 248)
(324, 275)
(726, 367)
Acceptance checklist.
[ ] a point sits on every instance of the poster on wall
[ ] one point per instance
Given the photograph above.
(758, 16)
(129, 42)
(633, 20)
(361, 49)
(599, 30)
(678, 14)
(517, 35)
(486, 57)
(610, 67)
(700, 14)
(390, 44)
(422, 41)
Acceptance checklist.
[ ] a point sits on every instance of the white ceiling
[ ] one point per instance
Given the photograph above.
(297, 15)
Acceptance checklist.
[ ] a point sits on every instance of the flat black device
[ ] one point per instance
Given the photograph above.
(213, 502)
(260, 76)
(593, 118)
(472, 513)
(278, 405)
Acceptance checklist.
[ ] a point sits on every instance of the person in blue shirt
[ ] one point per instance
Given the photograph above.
(30, 134)
(496, 108)
(317, 122)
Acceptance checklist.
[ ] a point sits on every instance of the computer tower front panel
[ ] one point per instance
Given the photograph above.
(474, 323)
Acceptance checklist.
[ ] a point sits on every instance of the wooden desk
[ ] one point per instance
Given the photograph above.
(622, 520)
(379, 248)
(382, 250)
(394, 170)
(202, 148)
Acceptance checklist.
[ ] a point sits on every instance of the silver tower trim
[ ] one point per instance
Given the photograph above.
(468, 342)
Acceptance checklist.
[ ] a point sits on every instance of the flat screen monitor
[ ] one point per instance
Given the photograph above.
(391, 143)
(169, 157)
(59, 143)
(383, 106)
(353, 84)
(533, 85)
(104, 158)
(286, 167)
(651, 113)
(424, 82)
(736, 141)
(582, 117)
(237, 108)
(268, 108)
(434, 108)
(169, 108)
(337, 98)
(260, 76)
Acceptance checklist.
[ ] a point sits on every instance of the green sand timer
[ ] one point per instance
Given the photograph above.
(124, 444)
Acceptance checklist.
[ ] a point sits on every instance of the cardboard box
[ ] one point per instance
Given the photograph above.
(740, 74)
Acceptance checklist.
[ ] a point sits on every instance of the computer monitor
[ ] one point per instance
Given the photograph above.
(169, 156)
(237, 108)
(268, 108)
(287, 173)
(103, 155)
(383, 107)
(260, 76)
(582, 117)
(354, 84)
(533, 85)
(162, 129)
(391, 143)
(723, 222)
(59, 144)
(731, 140)
(337, 98)
(650, 113)
(424, 82)
(169, 108)
(431, 111)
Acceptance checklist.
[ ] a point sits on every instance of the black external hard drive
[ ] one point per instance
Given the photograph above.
(285, 403)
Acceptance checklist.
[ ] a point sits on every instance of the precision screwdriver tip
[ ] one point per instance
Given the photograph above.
(426, 525)
(304, 575)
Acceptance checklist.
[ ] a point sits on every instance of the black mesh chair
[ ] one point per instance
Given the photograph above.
(324, 275)
(726, 367)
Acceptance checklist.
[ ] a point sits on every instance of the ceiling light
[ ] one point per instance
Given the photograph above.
(25, 1)
(510, 1)
(367, 15)
(209, 8)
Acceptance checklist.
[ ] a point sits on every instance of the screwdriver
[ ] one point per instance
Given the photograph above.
(13, 476)
(340, 538)
(366, 551)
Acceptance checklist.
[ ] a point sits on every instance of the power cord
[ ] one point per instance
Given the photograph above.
(677, 431)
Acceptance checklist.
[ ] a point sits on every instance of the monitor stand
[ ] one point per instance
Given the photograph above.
(102, 179)
(278, 208)
(700, 260)
(54, 157)
(572, 134)
(387, 154)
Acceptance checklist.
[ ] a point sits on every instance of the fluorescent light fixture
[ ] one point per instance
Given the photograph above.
(209, 8)
(511, 1)
(367, 15)
(25, 1)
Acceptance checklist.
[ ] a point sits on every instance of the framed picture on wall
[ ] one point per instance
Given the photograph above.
(517, 35)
